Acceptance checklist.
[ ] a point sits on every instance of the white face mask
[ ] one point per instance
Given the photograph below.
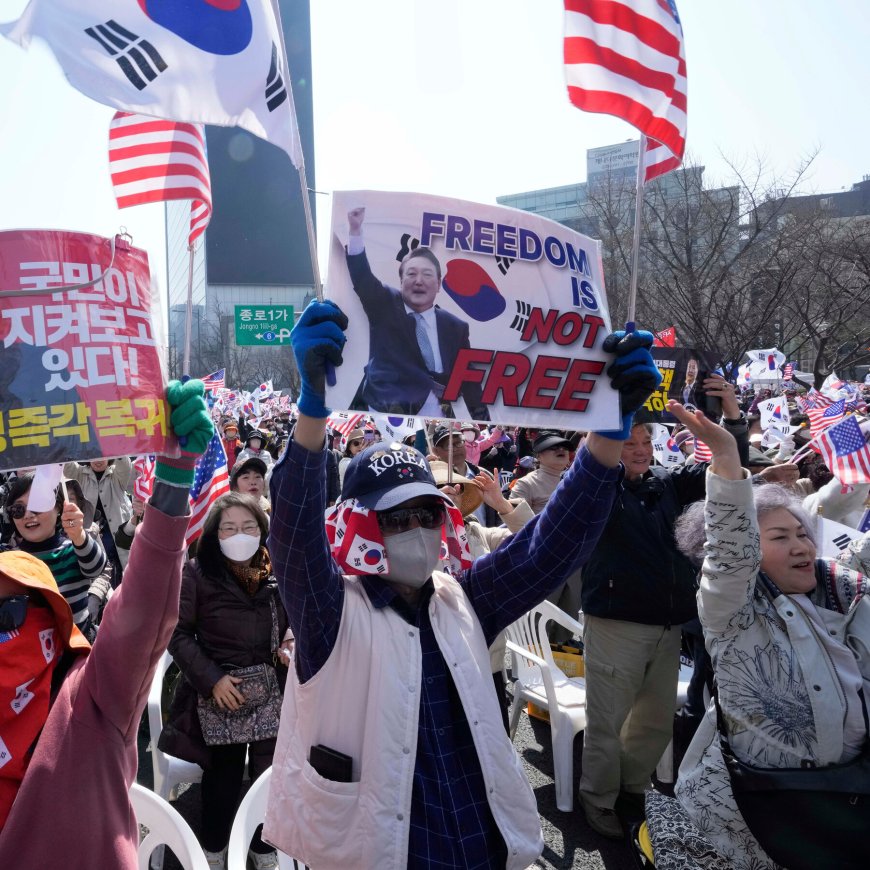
(240, 547)
(413, 555)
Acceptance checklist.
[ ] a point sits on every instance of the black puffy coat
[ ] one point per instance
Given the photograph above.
(635, 572)
(220, 627)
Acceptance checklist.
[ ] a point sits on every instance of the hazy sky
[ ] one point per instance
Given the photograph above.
(467, 99)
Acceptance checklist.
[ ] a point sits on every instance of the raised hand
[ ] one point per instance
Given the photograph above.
(317, 339)
(726, 461)
(633, 373)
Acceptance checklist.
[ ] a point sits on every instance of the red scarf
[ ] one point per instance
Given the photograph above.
(27, 659)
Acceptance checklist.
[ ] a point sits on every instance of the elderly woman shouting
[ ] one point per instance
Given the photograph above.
(789, 636)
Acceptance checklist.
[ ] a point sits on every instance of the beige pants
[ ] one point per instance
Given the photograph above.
(631, 693)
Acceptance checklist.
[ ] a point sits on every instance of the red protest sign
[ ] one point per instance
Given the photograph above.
(81, 371)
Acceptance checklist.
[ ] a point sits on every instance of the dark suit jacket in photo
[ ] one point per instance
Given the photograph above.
(396, 379)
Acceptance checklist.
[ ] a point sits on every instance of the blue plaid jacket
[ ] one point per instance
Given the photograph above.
(451, 824)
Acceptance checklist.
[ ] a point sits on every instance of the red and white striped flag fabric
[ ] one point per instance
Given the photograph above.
(846, 452)
(209, 482)
(823, 418)
(152, 160)
(627, 58)
(657, 160)
(788, 372)
(702, 452)
(144, 484)
(815, 399)
(343, 422)
(216, 380)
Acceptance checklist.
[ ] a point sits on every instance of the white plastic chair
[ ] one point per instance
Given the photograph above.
(252, 812)
(166, 827)
(665, 768)
(169, 771)
(537, 678)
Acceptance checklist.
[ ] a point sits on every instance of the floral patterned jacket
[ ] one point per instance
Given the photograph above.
(780, 694)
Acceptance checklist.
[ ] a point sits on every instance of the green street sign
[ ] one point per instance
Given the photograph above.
(264, 325)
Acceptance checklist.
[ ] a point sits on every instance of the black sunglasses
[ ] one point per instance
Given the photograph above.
(399, 520)
(19, 509)
(13, 611)
(356, 442)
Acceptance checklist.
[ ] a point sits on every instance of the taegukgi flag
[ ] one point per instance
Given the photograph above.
(774, 418)
(200, 62)
(765, 363)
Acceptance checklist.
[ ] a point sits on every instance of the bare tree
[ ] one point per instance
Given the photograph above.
(829, 311)
(720, 263)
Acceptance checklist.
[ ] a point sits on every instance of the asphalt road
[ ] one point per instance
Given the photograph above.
(568, 840)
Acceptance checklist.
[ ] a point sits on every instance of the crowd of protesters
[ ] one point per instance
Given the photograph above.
(387, 673)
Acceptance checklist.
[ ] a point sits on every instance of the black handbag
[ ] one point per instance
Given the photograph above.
(257, 718)
(805, 817)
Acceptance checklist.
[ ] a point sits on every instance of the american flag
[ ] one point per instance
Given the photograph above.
(788, 371)
(702, 452)
(846, 452)
(657, 160)
(144, 484)
(210, 481)
(822, 418)
(815, 399)
(152, 160)
(343, 422)
(626, 58)
(216, 380)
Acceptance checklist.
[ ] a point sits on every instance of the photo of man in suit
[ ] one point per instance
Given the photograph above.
(413, 343)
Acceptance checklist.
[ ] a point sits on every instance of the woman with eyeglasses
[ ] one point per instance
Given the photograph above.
(69, 712)
(58, 538)
(351, 444)
(230, 617)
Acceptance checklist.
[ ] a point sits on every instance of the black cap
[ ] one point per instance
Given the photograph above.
(251, 464)
(385, 475)
(443, 431)
(549, 440)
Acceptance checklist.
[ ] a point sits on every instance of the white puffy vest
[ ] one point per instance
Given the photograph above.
(365, 702)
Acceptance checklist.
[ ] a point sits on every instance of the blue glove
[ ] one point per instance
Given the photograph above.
(317, 339)
(633, 373)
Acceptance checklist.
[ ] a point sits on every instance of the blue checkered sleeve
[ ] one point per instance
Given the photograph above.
(309, 580)
(505, 584)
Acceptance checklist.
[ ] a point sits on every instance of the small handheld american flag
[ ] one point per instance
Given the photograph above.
(846, 452)
(209, 482)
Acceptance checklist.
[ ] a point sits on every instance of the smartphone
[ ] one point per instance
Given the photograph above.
(710, 405)
(331, 764)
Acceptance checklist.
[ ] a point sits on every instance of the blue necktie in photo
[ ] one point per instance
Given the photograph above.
(423, 342)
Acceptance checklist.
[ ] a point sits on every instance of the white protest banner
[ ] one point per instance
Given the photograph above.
(835, 537)
(498, 315)
(42, 491)
(666, 451)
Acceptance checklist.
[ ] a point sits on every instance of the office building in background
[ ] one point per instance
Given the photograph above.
(255, 251)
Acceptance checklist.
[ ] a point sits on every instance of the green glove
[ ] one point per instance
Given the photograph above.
(192, 424)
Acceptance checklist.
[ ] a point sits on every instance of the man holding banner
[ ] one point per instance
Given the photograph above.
(391, 733)
(412, 342)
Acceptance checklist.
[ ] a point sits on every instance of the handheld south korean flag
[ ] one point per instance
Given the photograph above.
(201, 61)
(666, 450)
